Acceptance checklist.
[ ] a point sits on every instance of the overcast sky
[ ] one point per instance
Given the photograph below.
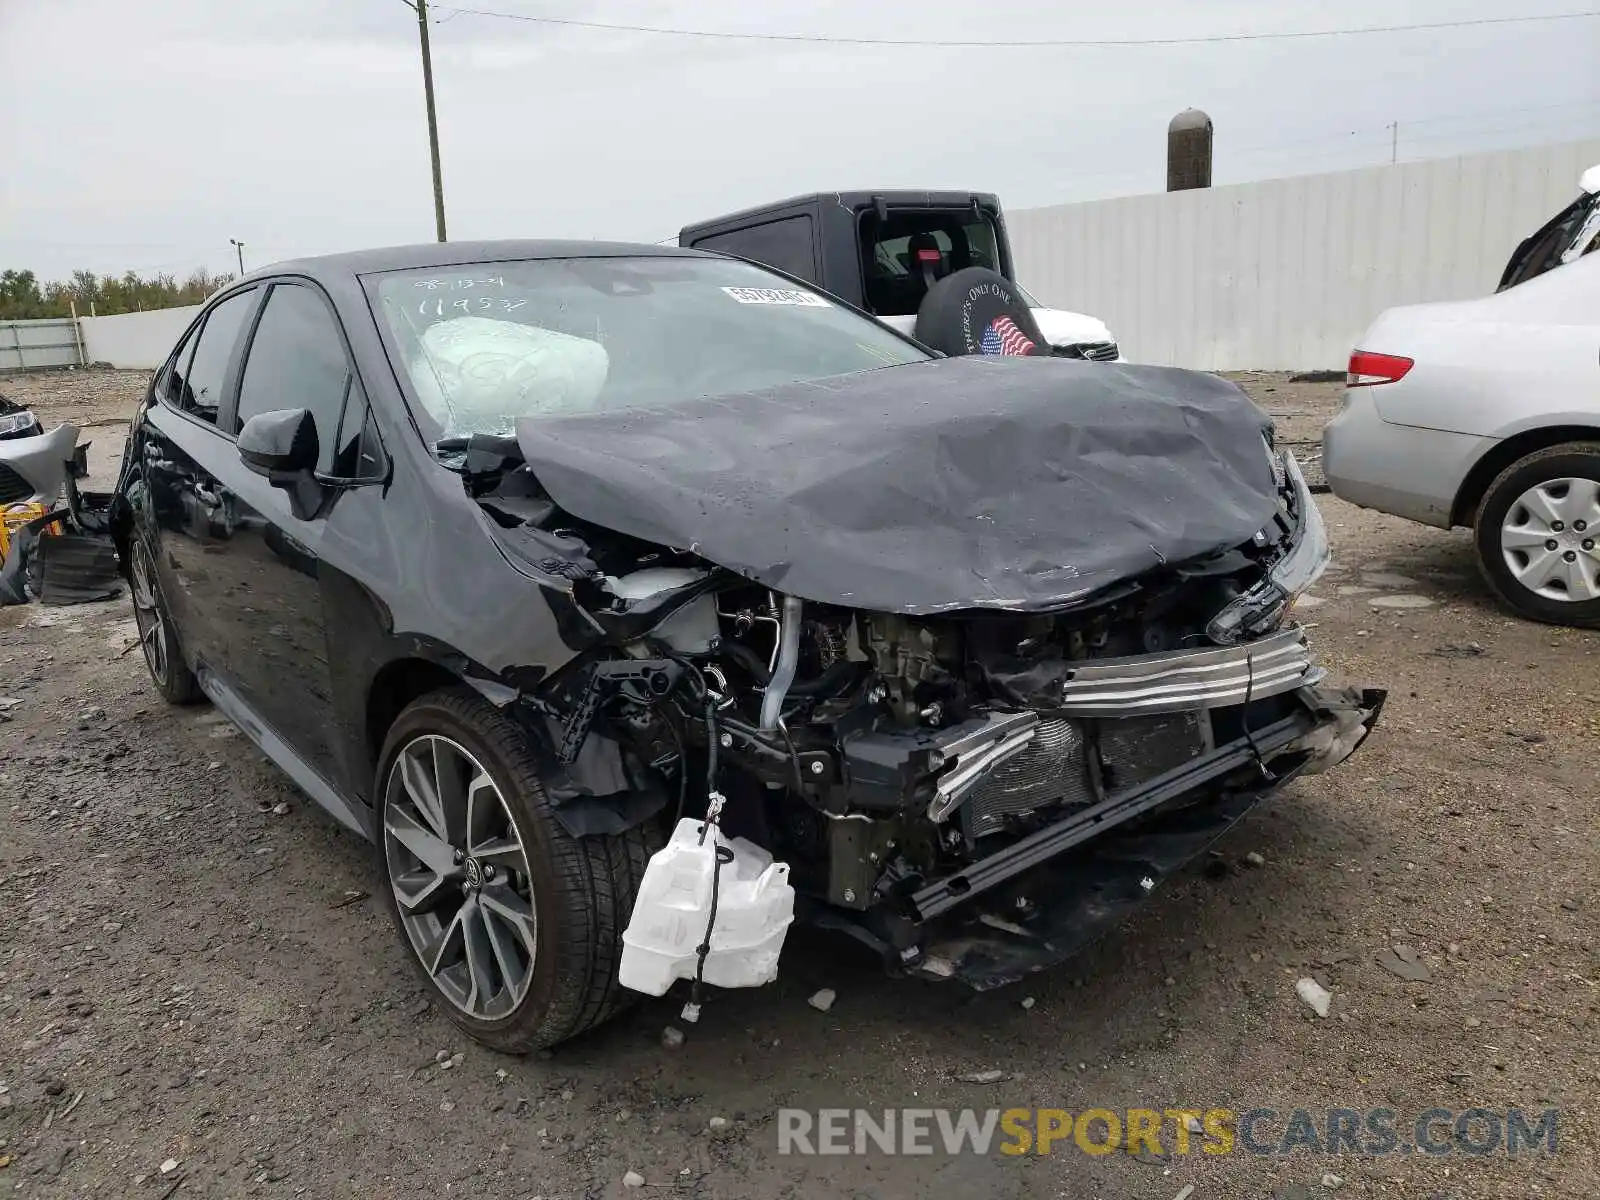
(146, 135)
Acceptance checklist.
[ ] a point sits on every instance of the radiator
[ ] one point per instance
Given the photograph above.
(1053, 769)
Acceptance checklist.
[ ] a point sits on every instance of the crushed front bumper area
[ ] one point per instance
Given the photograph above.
(51, 552)
(1044, 897)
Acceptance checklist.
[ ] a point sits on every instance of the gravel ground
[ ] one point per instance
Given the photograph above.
(199, 997)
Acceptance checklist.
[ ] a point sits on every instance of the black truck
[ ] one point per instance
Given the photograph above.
(886, 252)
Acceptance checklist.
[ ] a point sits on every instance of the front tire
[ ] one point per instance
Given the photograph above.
(515, 925)
(1538, 535)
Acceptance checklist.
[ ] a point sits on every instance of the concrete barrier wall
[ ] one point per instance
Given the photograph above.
(1280, 274)
(38, 345)
(1285, 274)
(135, 339)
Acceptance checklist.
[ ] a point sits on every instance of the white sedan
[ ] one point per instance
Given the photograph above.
(1486, 413)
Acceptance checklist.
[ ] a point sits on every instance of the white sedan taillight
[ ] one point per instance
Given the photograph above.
(1367, 368)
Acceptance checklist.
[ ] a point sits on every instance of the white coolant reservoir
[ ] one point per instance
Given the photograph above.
(755, 905)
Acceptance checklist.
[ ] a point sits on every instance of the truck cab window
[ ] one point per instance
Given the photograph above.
(907, 253)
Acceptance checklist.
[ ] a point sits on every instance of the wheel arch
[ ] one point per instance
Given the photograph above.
(123, 518)
(397, 684)
(1502, 454)
(410, 668)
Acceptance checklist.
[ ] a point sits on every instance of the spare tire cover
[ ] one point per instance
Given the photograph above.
(977, 311)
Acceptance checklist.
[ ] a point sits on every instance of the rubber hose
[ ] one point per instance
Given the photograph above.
(829, 681)
(749, 660)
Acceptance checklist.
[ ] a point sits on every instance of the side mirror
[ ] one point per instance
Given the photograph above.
(280, 445)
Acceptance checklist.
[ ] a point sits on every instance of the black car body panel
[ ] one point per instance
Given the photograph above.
(576, 584)
(962, 483)
(256, 591)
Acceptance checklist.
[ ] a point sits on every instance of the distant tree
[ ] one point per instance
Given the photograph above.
(22, 298)
(84, 286)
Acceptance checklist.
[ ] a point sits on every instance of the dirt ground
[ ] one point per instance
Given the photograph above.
(198, 997)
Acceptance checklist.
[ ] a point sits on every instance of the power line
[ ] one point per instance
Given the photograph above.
(1374, 137)
(1369, 140)
(191, 262)
(1208, 39)
(1500, 112)
(1443, 134)
(110, 245)
(1362, 134)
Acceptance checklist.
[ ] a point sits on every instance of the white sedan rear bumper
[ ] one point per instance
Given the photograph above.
(1400, 469)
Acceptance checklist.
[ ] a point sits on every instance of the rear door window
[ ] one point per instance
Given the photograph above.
(170, 383)
(198, 391)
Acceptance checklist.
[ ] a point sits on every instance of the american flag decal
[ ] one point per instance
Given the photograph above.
(1003, 337)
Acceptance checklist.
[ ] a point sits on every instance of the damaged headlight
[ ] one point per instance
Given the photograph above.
(1280, 473)
(13, 424)
(1264, 607)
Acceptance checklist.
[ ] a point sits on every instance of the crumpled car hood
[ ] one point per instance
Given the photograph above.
(1018, 484)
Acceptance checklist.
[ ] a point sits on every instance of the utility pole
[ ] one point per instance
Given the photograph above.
(239, 246)
(420, 7)
(1394, 142)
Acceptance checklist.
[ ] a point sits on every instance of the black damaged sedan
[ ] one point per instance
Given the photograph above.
(513, 555)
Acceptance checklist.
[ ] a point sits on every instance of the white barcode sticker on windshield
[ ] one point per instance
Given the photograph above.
(750, 295)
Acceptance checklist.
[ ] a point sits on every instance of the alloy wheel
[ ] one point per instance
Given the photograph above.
(459, 873)
(1548, 539)
(147, 614)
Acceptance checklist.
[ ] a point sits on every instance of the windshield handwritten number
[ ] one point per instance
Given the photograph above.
(435, 306)
(459, 285)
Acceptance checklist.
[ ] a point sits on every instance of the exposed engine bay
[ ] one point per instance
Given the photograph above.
(905, 766)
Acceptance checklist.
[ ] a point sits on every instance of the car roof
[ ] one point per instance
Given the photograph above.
(447, 254)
